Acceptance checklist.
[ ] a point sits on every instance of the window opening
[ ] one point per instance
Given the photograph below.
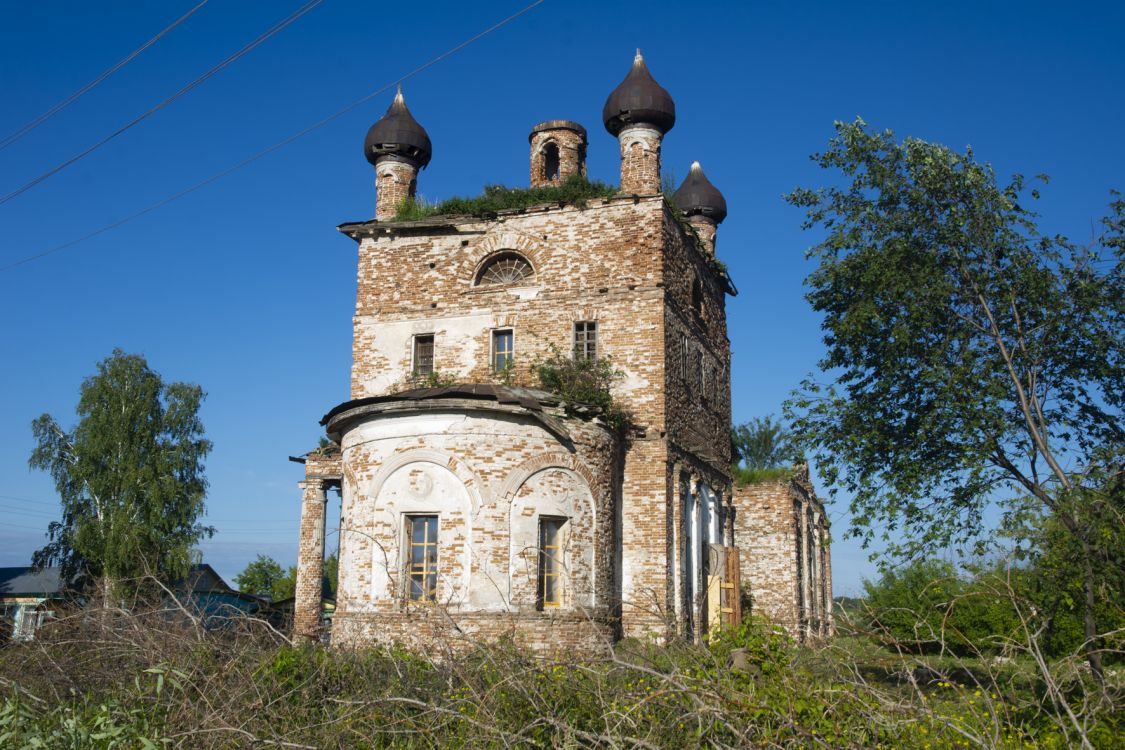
(550, 561)
(422, 532)
(684, 366)
(505, 268)
(697, 298)
(503, 349)
(551, 162)
(586, 340)
(424, 354)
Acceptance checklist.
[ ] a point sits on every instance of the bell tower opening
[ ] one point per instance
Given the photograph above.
(551, 162)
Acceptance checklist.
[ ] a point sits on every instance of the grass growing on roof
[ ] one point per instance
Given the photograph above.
(574, 190)
(743, 476)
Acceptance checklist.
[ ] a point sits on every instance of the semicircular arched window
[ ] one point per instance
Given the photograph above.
(505, 268)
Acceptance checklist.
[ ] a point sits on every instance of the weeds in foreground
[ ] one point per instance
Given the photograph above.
(118, 679)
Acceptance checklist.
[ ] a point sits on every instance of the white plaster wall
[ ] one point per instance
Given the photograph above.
(456, 345)
(422, 487)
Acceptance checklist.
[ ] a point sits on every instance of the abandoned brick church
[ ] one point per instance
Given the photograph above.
(474, 504)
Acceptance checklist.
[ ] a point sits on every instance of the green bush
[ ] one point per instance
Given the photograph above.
(582, 381)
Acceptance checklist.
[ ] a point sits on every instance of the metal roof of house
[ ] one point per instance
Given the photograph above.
(29, 582)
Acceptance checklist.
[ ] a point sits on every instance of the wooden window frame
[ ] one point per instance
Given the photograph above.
(585, 339)
(429, 569)
(550, 563)
(417, 368)
(494, 352)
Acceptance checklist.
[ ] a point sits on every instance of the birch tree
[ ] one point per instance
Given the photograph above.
(129, 476)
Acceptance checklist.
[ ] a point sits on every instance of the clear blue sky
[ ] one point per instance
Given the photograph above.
(245, 287)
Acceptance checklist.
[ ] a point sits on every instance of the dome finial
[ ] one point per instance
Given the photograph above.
(398, 135)
(697, 196)
(639, 100)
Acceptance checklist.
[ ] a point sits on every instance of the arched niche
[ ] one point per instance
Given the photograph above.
(554, 492)
(414, 484)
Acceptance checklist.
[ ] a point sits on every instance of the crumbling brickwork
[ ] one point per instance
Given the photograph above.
(783, 536)
(395, 181)
(323, 470)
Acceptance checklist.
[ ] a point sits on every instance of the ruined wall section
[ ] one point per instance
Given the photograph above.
(602, 263)
(783, 532)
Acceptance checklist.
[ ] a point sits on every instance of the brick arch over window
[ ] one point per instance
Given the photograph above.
(492, 244)
(515, 480)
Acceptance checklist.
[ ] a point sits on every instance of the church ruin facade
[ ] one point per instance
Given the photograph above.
(476, 504)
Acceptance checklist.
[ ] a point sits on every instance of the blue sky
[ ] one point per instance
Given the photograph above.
(246, 288)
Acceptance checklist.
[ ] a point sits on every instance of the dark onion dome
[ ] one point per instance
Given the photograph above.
(398, 134)
(639, 100)
(698, 196)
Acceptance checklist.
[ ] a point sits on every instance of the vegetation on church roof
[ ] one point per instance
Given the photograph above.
(574, 190)
(743, 476)
(583, 381)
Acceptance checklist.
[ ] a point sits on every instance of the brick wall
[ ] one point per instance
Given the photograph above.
(625, 263)
(568, 140)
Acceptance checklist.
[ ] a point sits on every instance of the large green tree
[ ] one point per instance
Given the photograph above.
(129, 476)
(973, 358)
(762, 443)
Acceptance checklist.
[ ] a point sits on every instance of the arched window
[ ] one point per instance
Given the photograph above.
(505, 268)
(551, 162)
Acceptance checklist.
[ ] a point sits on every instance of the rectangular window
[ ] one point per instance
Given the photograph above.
(502, 349)
(550, 561)
(421, 532)
(424, 354)
(586, 340)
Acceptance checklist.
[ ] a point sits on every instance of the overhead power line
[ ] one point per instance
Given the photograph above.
(153, 110)
(9, 140)
(274, 147)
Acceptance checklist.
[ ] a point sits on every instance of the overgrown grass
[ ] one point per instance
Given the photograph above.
(575, 190)
(743, 476)
(114, 679)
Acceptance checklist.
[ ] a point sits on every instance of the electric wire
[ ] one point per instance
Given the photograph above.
(59, 107)
(156, 108)
(265, 152)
